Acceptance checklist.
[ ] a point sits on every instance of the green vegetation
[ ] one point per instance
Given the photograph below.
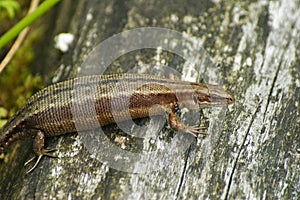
(17, 84)
(26, 21)
(10, 6)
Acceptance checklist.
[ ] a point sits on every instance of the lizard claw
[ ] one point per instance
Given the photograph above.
(193, 130)
(45, 152)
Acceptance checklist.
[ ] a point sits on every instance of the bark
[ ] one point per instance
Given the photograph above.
(252, 152)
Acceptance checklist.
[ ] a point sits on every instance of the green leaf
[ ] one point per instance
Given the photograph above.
(10, 6)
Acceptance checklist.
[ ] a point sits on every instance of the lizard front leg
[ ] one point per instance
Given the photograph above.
(176, 125)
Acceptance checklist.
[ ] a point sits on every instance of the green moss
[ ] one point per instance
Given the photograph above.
(17, 84)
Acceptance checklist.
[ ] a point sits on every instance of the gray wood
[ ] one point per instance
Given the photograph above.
(255, 155)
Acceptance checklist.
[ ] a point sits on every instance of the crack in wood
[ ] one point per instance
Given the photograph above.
(240, 151)
(183, 173)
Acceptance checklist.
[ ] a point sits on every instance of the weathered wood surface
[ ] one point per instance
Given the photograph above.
(255, 45)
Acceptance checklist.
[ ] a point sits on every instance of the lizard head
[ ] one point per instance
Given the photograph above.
(213, 95)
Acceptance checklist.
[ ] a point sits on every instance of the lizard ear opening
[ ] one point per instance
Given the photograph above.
(195, 98)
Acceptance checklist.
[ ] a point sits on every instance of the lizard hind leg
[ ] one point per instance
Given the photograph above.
(38, 147)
